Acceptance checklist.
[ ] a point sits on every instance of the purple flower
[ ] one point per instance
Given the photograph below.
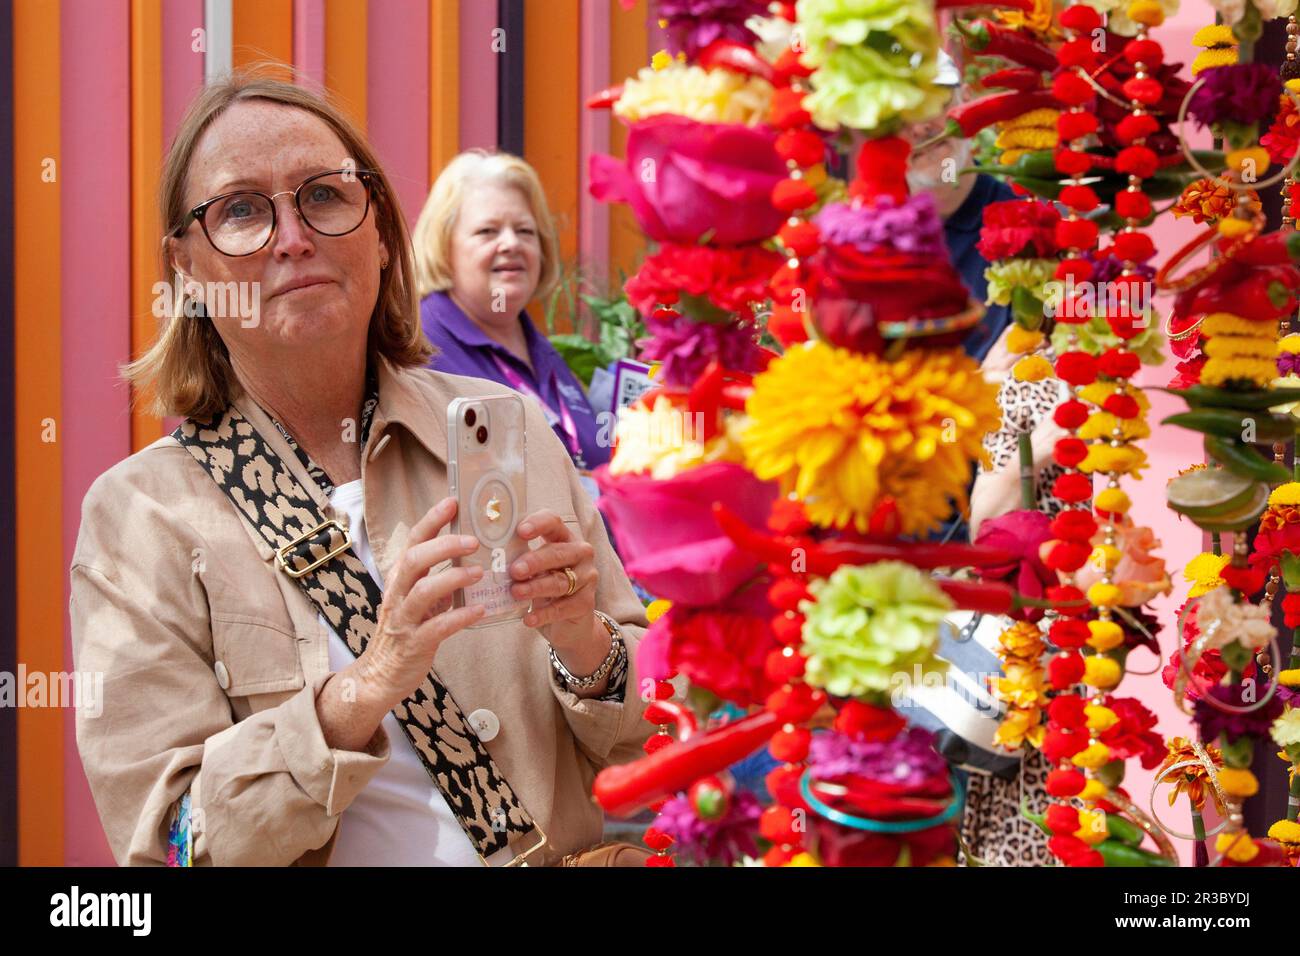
(1288, 362)
(1242, 94)
(1106, 267)
(693, 24)
(1214, 722)
(685, 348)
(912, 226)
(908, 759)
(704, 841)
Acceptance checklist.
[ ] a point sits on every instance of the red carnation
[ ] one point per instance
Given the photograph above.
(1018, 228)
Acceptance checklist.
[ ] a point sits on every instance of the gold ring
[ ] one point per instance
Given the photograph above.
(573, 581)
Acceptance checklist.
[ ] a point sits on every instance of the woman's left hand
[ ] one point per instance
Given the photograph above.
(564, 615)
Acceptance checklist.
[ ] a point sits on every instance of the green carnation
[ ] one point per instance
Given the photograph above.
(870, 623)
(875, 62)
(1006, 275)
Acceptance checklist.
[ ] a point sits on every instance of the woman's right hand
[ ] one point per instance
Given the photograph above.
(415, 618)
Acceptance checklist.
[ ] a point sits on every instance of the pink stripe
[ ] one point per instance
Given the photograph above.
(593, 136)
(182, 65)
(478, 74)
(397, 104)
(95, 248)
(309, 41)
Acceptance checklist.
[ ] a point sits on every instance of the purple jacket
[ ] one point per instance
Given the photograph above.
(465, 349)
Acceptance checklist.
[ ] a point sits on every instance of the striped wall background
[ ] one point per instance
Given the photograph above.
(90, 93)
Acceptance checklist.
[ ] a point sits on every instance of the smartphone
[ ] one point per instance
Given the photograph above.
(485, 469)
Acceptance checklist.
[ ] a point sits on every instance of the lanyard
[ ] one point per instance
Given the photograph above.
(565, 419)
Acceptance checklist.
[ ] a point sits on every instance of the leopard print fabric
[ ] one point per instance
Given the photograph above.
(269, 497)
(993, 831)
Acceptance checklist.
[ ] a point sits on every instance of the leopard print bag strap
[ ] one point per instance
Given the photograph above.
(316, 553)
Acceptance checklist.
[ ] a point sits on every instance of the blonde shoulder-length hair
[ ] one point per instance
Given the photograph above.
(187, 370)
(433, 230)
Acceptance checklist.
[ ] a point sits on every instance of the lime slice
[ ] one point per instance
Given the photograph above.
(1209, 492)
(1241, 518)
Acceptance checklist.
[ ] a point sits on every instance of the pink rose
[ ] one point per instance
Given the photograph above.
(1022, 533)
(668, 537)
(684, 179)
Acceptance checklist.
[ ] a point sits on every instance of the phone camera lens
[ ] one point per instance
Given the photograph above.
(470, 418)
(481, 434)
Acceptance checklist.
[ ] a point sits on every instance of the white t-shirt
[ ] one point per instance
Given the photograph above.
(400, 818)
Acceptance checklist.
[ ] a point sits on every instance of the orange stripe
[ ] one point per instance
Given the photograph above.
(345, 55)
(262, 30)
(444, 84)
(629, 51)
(551, 45)
(146, 167)
(38, 421)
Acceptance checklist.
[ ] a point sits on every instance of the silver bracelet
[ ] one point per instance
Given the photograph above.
(616, 649)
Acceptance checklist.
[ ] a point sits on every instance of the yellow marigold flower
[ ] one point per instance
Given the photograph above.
(1021, 340)
(1287, 493)
(1238, 782)
(656, 609)
(1147, 12)
(1092, 826)
(1092, 757)
(1032, 368)
(1100, 719)
(1100, 426)
(1044, 116)
(1113, 499)
(1124, 460)
(1231, 227)
(1102, 672)
(706, 96)
(659, 441)
(661, 60)
(1022, 686)
(1092, 791)
(1252, 159)
(1017, 726)
(1209, 200)
(844, 430)
(1009, 156)
(1292, 85)
(1220, 371)
(1289, 677)
(1240, 346)
(1097, 392)
(802, 859)
(1239, 847)
(1021, 640)
(1104, 557)
(1288, 344)
(1218, 56)
(1203, 572)
(1102, 594)
(1286, 832)
(1104, 635)
(1027, 137)
(1225, 323)
(1037, 20)
(1215, 34)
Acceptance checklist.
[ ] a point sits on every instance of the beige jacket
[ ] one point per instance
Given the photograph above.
(212, 658)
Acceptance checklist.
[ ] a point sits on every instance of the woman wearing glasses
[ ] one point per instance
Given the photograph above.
(267, 591)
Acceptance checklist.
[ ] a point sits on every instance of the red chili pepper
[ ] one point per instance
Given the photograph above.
(624, 789)
(736, 57)
(1021, 78)
(718, 388)
(988, 597)
(1274, 249)
(821, 558)
(989, 39)
(967, 119)
(605, 98)
(1265, 294)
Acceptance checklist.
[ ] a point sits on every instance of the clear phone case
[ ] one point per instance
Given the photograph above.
(485, 468)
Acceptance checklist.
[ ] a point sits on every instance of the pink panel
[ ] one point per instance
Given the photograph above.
(95, 430)
(593, 133)
(182, 65)
(309, 41)
(397, 102)
(478, 74)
